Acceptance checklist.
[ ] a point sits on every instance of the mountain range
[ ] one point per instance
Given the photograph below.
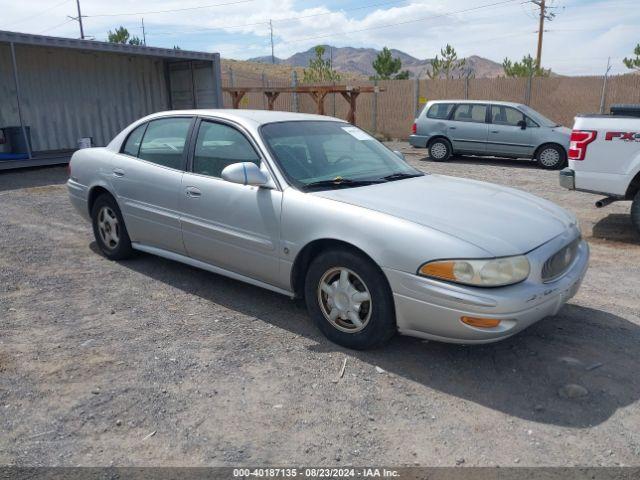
(359, 60)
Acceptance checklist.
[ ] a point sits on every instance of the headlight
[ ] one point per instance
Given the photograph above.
(495, 272)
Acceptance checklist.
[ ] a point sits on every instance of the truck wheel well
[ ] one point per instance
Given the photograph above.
(634, 187)
(94, 193)
(311, 251)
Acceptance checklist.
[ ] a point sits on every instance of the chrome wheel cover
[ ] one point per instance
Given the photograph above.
(438, 150)
(345, 300)
(108, 227)
(549, 157)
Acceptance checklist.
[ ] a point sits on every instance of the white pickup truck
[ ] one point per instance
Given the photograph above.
(604, 158)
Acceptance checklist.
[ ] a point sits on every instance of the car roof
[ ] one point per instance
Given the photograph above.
(492, 102)
(255, 117)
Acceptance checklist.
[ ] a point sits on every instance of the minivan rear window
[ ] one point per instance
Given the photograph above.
(440, 110)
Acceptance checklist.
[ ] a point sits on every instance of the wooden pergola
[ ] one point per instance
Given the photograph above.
(317, 92)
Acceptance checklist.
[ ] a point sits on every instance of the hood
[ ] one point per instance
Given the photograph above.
(500, 220)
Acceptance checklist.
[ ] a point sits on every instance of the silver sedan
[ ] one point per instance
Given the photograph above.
(310, 206)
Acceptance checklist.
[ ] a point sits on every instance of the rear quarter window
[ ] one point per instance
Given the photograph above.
(440, 110)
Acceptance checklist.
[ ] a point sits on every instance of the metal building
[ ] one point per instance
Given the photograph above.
(60, 90)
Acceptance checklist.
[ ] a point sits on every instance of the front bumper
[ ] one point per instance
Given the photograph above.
(432, 309)
(568, 178)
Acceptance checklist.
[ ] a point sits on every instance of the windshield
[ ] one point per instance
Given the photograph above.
(326, 154)
(538, 117)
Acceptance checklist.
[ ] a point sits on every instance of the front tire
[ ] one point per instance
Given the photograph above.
(109, 229)
(635, 212)
(551, 157)
(440, 150)
(349, 299)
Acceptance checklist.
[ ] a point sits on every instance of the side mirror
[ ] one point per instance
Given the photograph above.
(245, 173)
(399, 154)
(522, 124)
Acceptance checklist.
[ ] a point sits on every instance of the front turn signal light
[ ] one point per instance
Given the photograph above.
(481, 322)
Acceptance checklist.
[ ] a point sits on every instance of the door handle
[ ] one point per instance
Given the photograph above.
(495, 131)
(193, 192)
(452, 128)
(118, 172)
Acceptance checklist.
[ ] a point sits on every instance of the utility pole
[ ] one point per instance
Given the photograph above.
(80, 20)
(273, 58)
(544, 15)
(144, 34)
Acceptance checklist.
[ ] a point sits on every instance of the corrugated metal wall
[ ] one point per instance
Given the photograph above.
(184, 76)
(68, 94)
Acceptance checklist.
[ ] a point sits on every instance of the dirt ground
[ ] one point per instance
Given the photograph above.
(150, 362)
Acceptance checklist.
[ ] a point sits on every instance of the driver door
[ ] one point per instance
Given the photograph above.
(232, 226)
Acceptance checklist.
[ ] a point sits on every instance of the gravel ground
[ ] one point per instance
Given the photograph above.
(150, 362)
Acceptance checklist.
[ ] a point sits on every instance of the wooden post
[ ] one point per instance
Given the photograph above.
(318, 97)
(236, 97)
(351, 98)
(271, 98)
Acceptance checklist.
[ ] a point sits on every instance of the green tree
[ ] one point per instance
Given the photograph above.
(633, 63)
(319, 69)
(121, 35)
(387, 67)
(446, 66)
(528, 67)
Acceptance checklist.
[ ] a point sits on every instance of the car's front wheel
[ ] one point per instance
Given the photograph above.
(551, 157)
(109, 229)
(439, 150)
(348, 297)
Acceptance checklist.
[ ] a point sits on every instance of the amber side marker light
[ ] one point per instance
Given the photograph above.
(480, 322)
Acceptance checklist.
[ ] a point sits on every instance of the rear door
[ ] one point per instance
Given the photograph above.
(506, 135)
(147, 176)
(468, 128)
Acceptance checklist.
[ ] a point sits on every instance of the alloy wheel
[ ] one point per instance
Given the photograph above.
(345, 300)
(108, 227)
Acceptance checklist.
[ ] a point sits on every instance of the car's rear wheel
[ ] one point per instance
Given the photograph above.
(439, 149)
(635, 212)
(551, 157)
(109, 229)
(348, 297)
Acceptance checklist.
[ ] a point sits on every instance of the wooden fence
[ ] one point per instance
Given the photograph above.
(391, 113)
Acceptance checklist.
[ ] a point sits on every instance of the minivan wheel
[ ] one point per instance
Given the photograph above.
(439, 150)
(109, 229)
(349, 299)
(635, 212)
(551, 157)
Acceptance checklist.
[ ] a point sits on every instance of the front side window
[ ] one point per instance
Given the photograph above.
(501, 115)
(440, 110)
(132, 145)
(218, 146)
(164, 141)
(311, 153)
(470, 112)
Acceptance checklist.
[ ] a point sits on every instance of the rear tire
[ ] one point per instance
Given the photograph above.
(109, 229)
(635, 212)
(349, 299)
(551, 157)
(439, 150)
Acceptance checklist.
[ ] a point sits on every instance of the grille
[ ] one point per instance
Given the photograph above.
(560, 261)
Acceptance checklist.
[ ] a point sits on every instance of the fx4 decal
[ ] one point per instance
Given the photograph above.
(624, 136)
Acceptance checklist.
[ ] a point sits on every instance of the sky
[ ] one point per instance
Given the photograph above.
(578, 41)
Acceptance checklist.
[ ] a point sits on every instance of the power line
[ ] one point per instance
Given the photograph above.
(56, 26)
(278, 20)
(170, 11)
(42, 12)
(298, 40)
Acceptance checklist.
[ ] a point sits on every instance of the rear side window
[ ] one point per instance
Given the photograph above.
(470, 112)
(440, 110)
(164, 141)
(132, 145)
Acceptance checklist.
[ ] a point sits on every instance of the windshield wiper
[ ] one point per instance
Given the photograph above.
(341, 182)
(400, 176)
